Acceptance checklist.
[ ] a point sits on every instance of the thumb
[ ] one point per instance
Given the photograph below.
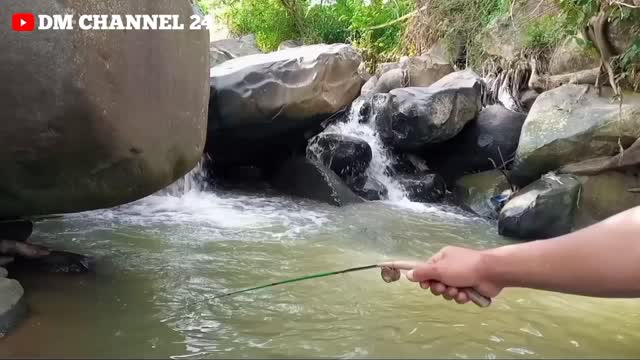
(424, 272)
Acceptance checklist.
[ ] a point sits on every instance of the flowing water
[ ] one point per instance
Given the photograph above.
(160, 257)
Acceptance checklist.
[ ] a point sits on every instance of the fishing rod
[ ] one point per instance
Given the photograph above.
(389, 274)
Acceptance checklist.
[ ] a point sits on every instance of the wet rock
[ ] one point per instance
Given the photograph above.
(476, 192)
(373, 190)
(227, 49)
(423, 187)
(263, 106)
(18, 230)
(410, 164)
(309, 179)
(606, 194)
(570, 124)
(415, 117)
(58, 262)
(347, 156)
(288, 44)
(482, 145)
(12, 308)
(3, 272)
(542, 210)
(95, 119)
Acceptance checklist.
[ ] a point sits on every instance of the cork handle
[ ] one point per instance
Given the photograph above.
(480, 300)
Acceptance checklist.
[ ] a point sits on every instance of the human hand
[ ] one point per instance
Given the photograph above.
(454, 273)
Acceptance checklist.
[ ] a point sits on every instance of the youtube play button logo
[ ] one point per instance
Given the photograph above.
(24, 22)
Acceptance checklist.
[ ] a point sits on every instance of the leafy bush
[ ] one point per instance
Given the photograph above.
(342, 21)
(545, 33)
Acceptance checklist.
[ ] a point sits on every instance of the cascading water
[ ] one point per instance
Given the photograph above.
(381, 160)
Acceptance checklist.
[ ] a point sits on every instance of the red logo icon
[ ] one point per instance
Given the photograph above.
(24, 22)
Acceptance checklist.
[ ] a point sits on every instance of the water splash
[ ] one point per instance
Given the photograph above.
(192, 182)
(381, 160)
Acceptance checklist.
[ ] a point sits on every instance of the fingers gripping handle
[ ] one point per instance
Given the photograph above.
(477, 298)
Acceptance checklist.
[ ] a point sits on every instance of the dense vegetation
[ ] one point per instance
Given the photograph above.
(387, 29)
(348, 21)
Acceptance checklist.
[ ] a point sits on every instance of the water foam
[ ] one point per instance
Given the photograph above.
(382, 158)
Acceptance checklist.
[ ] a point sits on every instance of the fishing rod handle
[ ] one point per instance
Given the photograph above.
(477, 298)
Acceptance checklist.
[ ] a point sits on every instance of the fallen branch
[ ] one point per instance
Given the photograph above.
(545, 83)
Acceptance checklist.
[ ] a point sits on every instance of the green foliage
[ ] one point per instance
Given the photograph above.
(545, 32)
(267, 19)
(205, 5)
(628, 64)
(343, 21)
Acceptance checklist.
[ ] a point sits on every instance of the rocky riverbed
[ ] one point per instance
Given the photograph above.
(307, 121)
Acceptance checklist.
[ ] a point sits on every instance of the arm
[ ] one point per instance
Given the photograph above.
(601, 260)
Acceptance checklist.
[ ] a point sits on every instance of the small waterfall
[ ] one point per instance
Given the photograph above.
(192, 182)
(381, 160)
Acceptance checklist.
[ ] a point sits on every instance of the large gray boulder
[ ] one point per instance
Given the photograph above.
(570, 124)
(542, 210)
(262, 104)
(414, 117)
(227, 49)
(94, 119)
(12, 307)
(414, 71)
(310, 179)
(482, 145)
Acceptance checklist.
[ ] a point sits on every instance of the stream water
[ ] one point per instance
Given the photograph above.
(160, 257)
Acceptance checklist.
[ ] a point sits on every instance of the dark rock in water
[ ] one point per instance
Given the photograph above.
(95, 119)
(573, 123)
(227, 49)
(408, 164)
(310, 179)
(264, 107)
(347, 156)
(12, 306)
(424, 187)
(494, 135)
(476, 192)
(542, 210)
(18, 230)
(58, 262)
(414, 117)
(373, 190)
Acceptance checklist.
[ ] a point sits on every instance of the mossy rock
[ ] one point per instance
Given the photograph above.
(606, 194)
